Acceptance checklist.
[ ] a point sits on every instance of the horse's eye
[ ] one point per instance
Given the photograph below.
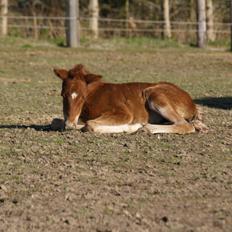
(74, 95)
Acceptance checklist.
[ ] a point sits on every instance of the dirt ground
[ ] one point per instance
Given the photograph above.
(74, 181)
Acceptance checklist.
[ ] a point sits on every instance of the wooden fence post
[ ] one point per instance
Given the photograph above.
(231, 25)
(73, 27)
(167, 24)
(201, 23)
(127, 6)
(35, 26)
(210, 21)
(94, 14)
(4, 12)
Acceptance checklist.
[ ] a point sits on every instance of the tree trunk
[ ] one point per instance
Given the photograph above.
(201, 23)
(94, 15)
(4, 12)
(209, 18)
(72, 23)
(167, 25)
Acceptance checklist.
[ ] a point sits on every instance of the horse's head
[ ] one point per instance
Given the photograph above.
(74, 91)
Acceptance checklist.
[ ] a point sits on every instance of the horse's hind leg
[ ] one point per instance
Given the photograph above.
(161, 104)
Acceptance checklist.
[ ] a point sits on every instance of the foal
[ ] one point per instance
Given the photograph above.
(113, 108)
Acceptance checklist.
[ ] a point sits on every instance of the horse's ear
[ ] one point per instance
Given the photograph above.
(89, 78)
(61, 73)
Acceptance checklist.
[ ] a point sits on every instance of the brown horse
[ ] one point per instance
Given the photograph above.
(113, 108)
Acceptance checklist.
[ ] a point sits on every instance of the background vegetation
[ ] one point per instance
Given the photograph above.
(127, 18)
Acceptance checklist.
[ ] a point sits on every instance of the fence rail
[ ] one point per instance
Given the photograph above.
(55, 26)
(115, 29)
(110, 20)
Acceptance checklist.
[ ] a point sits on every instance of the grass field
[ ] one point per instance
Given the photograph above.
(74, 181)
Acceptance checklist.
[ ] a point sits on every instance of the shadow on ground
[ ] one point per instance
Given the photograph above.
(32, 126)
(216, 102)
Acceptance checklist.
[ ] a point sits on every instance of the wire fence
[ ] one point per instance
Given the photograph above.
(52, 27)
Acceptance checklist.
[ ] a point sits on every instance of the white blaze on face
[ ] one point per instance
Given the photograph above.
(74, 95)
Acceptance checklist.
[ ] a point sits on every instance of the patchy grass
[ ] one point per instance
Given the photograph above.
(73, 181)
(133, 43)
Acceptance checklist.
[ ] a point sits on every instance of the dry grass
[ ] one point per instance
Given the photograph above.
(73, 181)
